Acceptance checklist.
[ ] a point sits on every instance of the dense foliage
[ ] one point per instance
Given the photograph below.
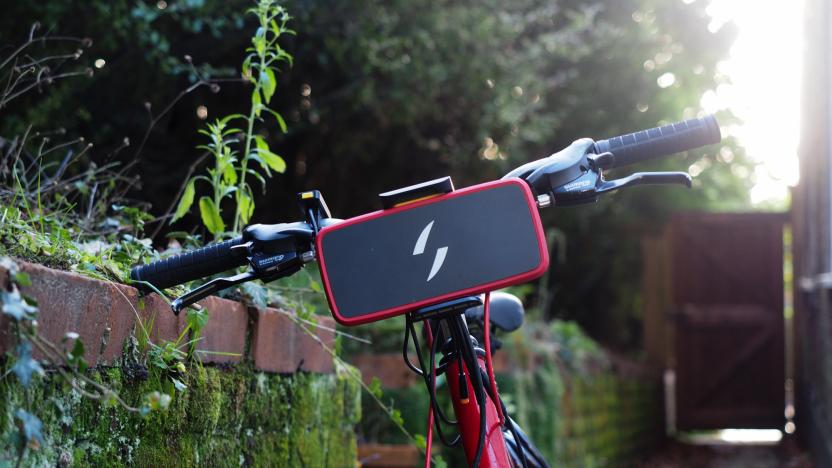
(385, 94)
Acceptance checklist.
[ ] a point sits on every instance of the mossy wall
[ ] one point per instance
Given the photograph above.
(578, 408)
(585, 420)
(226, 417)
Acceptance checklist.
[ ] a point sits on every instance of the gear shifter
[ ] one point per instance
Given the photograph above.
(575, 175)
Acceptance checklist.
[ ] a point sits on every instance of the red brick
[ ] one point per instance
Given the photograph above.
(316, 354)
(273, 342)
(122, 317)
(389, 456)
(279, 345)
(390, 369)
(69, 302)
(225, 331)
(157, 315)
(102, 313)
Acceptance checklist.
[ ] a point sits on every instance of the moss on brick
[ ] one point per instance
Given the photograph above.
(226, 417)
(576, 416)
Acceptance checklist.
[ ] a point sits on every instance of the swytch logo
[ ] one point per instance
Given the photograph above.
(441, 252)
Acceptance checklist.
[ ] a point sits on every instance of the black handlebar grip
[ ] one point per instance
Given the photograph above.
(206, 261)
(661, 141)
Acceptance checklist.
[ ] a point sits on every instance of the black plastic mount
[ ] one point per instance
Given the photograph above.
(444, 309)
(416, 192)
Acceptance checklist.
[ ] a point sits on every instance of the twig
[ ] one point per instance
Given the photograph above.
(185, 180)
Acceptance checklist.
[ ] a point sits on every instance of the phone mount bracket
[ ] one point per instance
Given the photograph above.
(410, 194)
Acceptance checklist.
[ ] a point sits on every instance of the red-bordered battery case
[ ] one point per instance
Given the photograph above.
(465, 242)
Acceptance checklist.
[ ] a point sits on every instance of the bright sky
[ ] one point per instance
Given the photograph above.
(764, 69)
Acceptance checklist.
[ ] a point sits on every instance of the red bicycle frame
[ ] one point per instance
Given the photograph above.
(494, 453)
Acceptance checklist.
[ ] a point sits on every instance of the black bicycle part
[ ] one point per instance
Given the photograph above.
(206, 261)
(575, 174)
(412, 193)
(271, 251)
(452, 315)
(509, 315)
(469, 357)
(660, 141)
(426, 374)
(430, 384)
(506, 312)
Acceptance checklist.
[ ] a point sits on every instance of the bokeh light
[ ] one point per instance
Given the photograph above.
(763, 81)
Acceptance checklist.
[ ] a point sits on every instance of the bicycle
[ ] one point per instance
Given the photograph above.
(575, 175)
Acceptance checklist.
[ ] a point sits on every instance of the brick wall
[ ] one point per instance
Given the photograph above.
(265, 393)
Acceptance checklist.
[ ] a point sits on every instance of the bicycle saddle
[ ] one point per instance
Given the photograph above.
(506, 312)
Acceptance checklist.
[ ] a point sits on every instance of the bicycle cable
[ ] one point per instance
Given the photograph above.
(430, 381)
(487, 339)
(469, 354)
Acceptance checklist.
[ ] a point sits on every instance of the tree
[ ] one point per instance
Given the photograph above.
(385, 94)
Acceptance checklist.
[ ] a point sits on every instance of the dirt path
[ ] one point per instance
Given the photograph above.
(682, 455)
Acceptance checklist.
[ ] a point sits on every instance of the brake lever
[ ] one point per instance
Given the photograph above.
(208, 289)
(273, 251)
(645, 178)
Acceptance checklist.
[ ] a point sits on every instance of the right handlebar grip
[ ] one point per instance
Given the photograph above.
(661, 141)
(188, 266)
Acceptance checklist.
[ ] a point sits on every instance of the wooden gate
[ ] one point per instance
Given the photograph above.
(727, 298)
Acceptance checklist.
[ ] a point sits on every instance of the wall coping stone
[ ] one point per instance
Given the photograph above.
(104, 315)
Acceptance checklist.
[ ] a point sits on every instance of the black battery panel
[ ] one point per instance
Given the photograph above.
(469, 241)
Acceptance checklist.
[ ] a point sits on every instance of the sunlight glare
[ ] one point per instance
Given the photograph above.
(750, 436)
(763, 85)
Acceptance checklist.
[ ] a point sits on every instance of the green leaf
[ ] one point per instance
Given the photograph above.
(178, 385)
(246, 205)
(396, 417)
(185, 202)
(256, 103)
(259, 41)
(375, 387)
(279, 119)
(30, 427)
(76, 356)
(229, 175)
(268, 82)
(25, 367)
(315, 286)
(197, 319)
(421, 443)
(157, 400)
(16, 307)
(275, 162)
(257, 293)
(211, 216)
(231, 117)
(22, 279)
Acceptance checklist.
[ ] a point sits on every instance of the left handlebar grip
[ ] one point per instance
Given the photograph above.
(188, 266)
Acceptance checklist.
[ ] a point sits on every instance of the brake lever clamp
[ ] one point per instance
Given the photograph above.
(272, 250)
(575, 175)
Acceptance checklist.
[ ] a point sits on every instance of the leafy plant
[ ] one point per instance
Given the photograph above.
(228, 177)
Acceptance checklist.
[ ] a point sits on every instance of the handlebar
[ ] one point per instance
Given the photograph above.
(188, 266)
(660, 141)
(574, 175)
